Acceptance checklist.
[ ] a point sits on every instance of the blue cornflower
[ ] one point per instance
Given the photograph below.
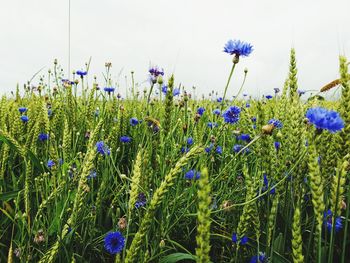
(211, 125)
(152, 79)
(209, 148)
(300, 92)
(192, 174)
(237, 47)
(244, 137)
(234, 238)
(92, 174)
(109, 89)
(261, 258)
(219, 99)
(266, 182)
(176, 92)
(328, 217)
(185, 149)
(43, 137)
(266, 185)
(134, 121)
(268, 97)
(325, 119)
(102, 148)
(141, 200)
(218, 150)
(329, 225)
(277, 145)
(327, 214)
(67, 81)
(50, 163)
(231, 115)
(190, 141)
(114, 242)
(216, 112)
(253, 119)
(165, 89)
(156, 71)
(22, 109)
(81, 73)
(125, 139)
(338, 224)
(24, 118)
(244, 240)
(237, 148)
(247, 105)
(278, 124)
(200, 111)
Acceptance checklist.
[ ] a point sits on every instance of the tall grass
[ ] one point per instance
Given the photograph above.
(177, 183)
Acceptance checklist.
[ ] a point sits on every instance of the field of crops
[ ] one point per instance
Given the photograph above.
(161, 175)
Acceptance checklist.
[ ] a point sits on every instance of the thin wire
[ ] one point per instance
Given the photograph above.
(68, 73)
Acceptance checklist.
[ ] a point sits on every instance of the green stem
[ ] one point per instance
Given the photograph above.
(347, 214)
(227, 84)
(241, 88)
(310, 239)
(133, 85)
(331, 244)
(149, 96)
(160, 93)
(319, 260)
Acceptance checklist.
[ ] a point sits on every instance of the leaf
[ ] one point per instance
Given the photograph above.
(279, 258)
(54, 226)
(176, 257)
(57, 220)
(7, 214)
(8, 195)
(278, 243)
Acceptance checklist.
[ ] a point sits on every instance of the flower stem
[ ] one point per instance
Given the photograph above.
(149, 96)
(227, 84)
(347, 214)
(132, 85)
(241, 88)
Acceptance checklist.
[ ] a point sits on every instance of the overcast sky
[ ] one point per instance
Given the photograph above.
(185, 37)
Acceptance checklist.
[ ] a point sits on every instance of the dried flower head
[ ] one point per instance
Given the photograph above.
(122, 223)
(39, 237)
(227, 205)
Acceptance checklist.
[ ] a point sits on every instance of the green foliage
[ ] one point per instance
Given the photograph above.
(276, 198)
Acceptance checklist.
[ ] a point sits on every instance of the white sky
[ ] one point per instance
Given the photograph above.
(185, 37)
